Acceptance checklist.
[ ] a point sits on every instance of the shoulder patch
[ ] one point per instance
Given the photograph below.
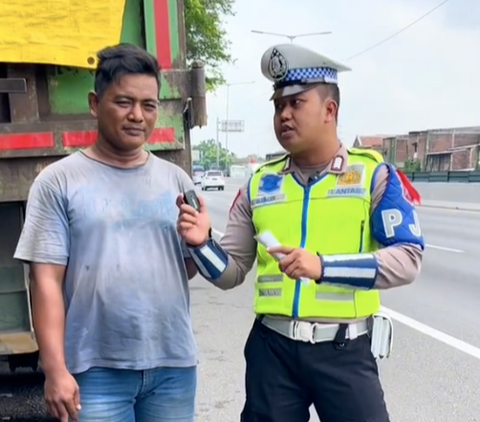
(370, 153)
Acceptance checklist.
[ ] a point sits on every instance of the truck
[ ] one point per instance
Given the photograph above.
(47, 68)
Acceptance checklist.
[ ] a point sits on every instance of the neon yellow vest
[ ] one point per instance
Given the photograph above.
(331, 216)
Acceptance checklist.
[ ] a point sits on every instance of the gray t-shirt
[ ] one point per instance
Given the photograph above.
(126, 286)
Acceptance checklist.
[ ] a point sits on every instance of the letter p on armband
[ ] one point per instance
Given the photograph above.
(391, 219)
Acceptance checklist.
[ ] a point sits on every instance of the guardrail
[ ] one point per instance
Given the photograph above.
(445, 176)
(442, 194)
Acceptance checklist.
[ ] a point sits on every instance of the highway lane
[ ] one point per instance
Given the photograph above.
(425, 380)
(428, 378)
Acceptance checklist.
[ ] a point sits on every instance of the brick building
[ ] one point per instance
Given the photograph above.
(436, 149)
(374, 142)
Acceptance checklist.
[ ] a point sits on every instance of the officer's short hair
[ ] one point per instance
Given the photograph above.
(329, 91)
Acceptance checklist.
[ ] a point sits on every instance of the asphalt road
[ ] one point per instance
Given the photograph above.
(21, 396)
(433, 374)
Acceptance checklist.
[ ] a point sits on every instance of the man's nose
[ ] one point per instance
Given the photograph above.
(136, 113)
(286, 113)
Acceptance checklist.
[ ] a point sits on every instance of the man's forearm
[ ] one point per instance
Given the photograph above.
(49, 324)
(387, 268)
(232, 276)
(216, 265)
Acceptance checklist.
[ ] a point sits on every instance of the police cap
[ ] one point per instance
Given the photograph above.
(294, 69)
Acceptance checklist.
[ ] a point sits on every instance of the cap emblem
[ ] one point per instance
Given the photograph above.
(277, 66)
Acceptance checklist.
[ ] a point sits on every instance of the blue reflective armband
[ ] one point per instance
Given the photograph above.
(395, 220)
(357, 271)
(210, 258)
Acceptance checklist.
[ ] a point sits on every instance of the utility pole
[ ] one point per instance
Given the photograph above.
(218, 142)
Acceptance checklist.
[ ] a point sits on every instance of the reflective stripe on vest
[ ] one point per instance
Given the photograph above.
(330, 216)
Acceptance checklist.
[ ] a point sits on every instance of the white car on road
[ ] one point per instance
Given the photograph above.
(213, 179)
(197, 177)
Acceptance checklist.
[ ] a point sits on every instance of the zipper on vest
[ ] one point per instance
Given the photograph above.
(362, 229)
(303, 242)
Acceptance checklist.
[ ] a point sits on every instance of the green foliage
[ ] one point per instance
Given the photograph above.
(208, 155)
(206, 37)
(412, 165)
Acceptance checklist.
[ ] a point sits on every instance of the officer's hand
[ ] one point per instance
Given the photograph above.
(193, 225)
(298, 262)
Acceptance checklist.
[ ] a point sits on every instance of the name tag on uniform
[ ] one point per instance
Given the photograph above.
(268, 199)
(361, 192)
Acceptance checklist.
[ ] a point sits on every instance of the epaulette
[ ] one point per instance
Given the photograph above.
(370, 153)
(272, 162)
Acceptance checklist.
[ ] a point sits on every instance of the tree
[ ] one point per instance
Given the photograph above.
(206, 37)
(208, 155)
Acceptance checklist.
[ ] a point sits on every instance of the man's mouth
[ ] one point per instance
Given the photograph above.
(287, 130)
(133, 131)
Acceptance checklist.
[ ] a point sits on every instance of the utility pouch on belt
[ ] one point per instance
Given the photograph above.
(381, 335)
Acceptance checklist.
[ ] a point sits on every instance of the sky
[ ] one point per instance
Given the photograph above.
(426, 77)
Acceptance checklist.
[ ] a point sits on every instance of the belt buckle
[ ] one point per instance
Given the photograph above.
(304, 331)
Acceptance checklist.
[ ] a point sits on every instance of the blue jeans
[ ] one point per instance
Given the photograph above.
(155, 395)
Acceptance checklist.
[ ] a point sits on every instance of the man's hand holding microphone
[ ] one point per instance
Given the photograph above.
(193, 221)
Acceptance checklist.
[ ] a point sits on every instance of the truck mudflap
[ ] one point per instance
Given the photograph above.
(21, 343)
(20, 350)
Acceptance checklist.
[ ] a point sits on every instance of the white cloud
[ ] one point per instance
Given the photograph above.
(426, 77)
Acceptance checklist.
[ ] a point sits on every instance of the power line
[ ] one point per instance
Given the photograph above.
(400, 31)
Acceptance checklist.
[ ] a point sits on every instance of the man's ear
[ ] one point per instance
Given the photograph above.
(93, 103)
(332, 111)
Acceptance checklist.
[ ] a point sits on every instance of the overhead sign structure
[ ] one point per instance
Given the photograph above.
(227, 126)
(232, 126)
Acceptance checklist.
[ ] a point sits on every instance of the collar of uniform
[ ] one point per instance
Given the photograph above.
(337, 164)
(288, 165)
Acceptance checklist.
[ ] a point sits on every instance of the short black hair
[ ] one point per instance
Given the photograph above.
(123, 59)
(330, 91)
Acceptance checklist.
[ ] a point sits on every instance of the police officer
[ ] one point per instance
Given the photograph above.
(346, 223)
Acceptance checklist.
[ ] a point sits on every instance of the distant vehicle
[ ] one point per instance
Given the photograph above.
(213, 179)
(238, 172)
(252, 168)
(197, 174)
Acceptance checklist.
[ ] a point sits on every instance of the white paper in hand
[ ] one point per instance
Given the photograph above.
(268, 240)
